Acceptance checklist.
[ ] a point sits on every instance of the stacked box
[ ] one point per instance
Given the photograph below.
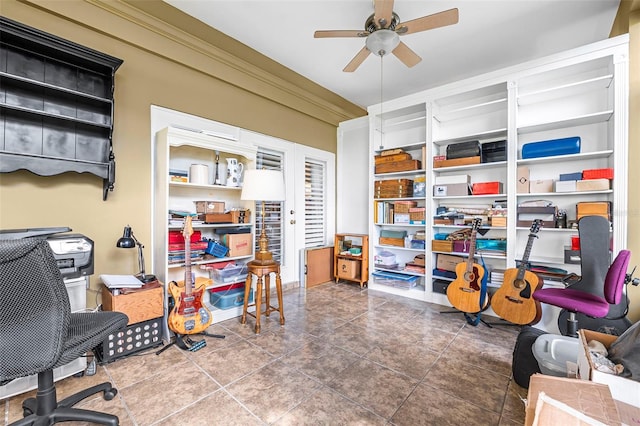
(209, 206)
(417, 215)
(397, 166)
(403, 206)
(393, 188)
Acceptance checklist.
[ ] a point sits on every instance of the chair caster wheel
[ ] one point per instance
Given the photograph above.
(110, 394)
(26, 412)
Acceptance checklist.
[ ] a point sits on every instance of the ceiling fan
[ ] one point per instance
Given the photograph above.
(383, 30)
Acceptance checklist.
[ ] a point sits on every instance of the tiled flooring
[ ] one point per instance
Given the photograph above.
(345, 357)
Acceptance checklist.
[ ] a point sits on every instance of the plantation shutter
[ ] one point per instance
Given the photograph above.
(314, 213)
(273, 220)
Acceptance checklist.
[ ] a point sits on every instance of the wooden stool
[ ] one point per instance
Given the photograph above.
(261, 271)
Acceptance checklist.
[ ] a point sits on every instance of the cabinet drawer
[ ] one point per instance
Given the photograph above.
(139, 306)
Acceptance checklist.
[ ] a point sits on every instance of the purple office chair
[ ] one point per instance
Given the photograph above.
(578, 301)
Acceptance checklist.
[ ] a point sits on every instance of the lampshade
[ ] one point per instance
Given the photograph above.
(263, 185)
(382, 42)
(126, 241)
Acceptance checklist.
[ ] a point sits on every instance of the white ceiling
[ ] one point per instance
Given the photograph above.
(489, 35)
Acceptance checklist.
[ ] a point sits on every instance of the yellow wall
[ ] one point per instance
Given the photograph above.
(162, 66)
(211, 76)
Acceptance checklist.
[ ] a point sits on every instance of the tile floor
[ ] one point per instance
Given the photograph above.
(345, 357)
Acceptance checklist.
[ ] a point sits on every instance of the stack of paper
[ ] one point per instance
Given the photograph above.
(121, 281)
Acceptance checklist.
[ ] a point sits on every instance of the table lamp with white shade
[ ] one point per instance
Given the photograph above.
(263, 185)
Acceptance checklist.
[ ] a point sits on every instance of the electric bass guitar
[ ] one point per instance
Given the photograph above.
(514, 300)
(188, 315)
(464, 293)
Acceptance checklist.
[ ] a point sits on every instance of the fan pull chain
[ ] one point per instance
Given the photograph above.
(381, 102)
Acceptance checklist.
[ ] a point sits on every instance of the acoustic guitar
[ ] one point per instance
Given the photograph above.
(464, 292)
(514, 300)
(188, 315)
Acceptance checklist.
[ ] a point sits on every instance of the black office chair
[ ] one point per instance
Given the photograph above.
(38, 332)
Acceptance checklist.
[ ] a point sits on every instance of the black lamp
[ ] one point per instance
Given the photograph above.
(129, 240)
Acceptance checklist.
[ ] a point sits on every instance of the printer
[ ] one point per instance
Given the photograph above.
(73, 252)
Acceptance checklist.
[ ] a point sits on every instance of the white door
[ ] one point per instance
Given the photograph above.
(314, 215)
(277, 154)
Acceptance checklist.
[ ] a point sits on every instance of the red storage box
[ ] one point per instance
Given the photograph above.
(176, 237)
(597, 174)
(483, 188)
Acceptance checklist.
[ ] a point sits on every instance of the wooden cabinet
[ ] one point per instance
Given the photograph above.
(582, 92)
(56, 105)
(351, 258)
(175, 151)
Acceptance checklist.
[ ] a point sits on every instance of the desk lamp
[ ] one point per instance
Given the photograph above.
(129, 240)
(263, 185)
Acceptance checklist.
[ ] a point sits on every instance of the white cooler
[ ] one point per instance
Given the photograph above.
(554, 353)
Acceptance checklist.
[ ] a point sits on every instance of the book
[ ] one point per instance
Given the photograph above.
(120, 281)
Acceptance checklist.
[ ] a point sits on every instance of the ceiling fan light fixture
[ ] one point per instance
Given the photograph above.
(382, 42)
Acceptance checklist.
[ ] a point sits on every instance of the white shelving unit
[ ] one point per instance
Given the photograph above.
(582, 92)
(179, 149)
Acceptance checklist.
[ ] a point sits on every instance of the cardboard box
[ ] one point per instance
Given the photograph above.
(448, 262)
(541, 185)
(347, 268)
(139, 305)
(451, 189)
(593, 185)
(591, 399)
(238, 244)
(498, 220)
(625, 390)
(522, 184)
(566, 186)
(486, 188)
(209, 206)
(401, 218)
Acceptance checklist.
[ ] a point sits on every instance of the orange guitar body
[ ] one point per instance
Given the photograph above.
(189, 315)
(514, 301)
(464, 292)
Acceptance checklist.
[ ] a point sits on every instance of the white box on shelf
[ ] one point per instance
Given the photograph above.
(565, 185)
(444, 180)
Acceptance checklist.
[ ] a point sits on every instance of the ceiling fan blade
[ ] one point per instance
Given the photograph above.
(383, 13)
(437, 20)
(357, 60)
(406, 55)
(340, 33)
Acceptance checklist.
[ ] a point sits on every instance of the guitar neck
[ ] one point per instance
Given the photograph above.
(525, 257)
(472, 251)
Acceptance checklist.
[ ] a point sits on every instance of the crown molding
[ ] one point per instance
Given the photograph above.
(158, 28)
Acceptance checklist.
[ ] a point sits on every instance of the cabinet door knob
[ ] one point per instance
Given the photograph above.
(292, 212)
(292, 221)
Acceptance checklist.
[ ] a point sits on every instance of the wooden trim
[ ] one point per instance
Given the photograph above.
(157, 27)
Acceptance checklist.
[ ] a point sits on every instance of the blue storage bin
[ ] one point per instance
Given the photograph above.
(550, 148)
(229, 299)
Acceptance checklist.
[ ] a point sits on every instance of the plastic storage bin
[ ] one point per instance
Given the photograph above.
(229, 274)
(229, 299)
(553, 352)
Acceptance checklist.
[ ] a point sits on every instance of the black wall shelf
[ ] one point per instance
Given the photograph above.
(56, 105)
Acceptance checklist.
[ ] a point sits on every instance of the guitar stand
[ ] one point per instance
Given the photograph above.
(467, 314)
(185, 342)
